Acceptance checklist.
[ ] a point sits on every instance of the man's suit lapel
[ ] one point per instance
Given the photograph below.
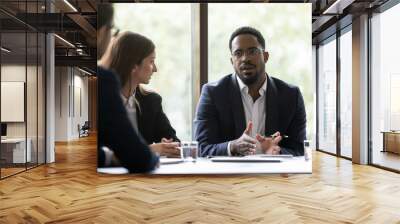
(272, 115)
(237, 107)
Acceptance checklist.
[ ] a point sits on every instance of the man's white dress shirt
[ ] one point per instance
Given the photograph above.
(254, 110)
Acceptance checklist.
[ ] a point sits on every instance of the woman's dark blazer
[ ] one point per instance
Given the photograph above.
(153, 124)
(115, 130)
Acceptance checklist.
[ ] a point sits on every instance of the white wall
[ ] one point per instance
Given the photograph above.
(80, 101)
(71, 94)
(12, 73)
(33, 126)
(61, 103)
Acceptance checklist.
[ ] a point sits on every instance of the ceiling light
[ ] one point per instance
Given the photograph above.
(79, 51)
(337, 7)
(5, 50)
(70, 5)
(64, 40)
(86, 72)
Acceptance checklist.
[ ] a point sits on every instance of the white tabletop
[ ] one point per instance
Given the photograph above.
(13, 140)
(206, 166)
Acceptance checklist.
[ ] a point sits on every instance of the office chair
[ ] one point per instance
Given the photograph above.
(84, 130)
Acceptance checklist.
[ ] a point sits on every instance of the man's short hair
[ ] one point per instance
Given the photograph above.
(105, 13)
(247, 30)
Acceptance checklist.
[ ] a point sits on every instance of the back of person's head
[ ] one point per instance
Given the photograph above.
(247, 30)
(105, 15)
(128, 50)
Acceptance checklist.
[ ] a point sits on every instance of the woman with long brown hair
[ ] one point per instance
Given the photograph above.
(132, 57)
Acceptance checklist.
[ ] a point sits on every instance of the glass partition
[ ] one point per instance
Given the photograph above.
(14, 152)
(346, 94)
(41, 86)
(385, 89)
(31, 99)
(22, 79)
(327, 96)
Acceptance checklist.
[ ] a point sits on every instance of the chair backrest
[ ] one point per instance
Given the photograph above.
(86, 125)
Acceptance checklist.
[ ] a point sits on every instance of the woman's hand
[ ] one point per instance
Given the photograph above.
(165, 140)
(169, 149)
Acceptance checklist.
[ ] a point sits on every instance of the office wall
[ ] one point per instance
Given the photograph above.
(12, 98)
(61, 103)
(24, 61)
(71, 102)
(33, 126)
(17, 73)
(80, 105)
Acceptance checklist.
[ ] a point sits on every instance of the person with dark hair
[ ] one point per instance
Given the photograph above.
(144, 106)
(105, 14)
(272, 109)
(117, 139)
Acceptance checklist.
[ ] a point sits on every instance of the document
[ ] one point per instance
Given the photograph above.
(245, 159)
(164, 161)
(270, 156)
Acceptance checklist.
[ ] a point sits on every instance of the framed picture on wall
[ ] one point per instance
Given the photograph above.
(12, 101)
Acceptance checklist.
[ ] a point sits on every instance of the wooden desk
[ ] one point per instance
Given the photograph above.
(206, 166)
(13, 150)
(71, 191)
(391, 141)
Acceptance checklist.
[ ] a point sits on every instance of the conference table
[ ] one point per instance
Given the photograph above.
(391, 141)
(14, 150)
(227, 165)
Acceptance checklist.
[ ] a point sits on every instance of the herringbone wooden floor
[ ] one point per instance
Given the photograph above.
(70, 191)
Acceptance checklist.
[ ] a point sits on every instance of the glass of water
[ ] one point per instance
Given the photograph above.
(194, 150)
(307, 150)
(189, 151)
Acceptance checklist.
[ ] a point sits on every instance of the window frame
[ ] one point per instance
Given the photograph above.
(333, 37)
(381, 9)
(28, 29)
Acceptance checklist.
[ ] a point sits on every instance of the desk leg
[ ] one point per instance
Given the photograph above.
(384, 142)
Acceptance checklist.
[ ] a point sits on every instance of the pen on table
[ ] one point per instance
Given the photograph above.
(273, 136)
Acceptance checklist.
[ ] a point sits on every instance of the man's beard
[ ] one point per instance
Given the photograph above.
(249, 80)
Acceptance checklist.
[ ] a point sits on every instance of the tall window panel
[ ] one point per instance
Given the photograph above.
(385, 84)
(32, 97)
(287, 39)
(169, 27)
(327, 96)
(41, 89)
(346, 93)
(41, 79)
(15, 146)
(22, 89)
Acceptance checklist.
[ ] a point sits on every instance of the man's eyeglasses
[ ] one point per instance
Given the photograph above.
(114, 30)
(253, 51)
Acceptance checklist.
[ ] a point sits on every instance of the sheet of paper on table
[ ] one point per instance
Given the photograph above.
(246, 159)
